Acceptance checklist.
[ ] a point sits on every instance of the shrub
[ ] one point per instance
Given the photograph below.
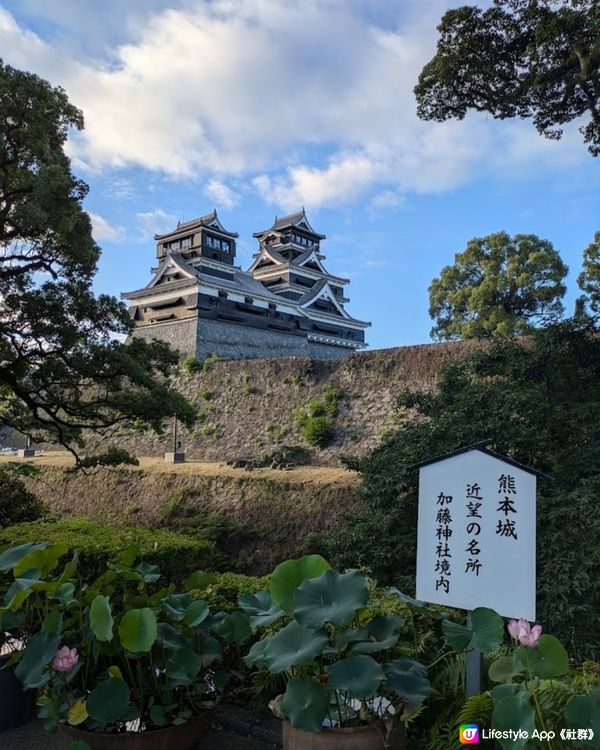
(223, 593)
(206, 394)
(316, 421)
(208, 363)
(317, 431)
(181, 514)
(191, 365)
(332, 395)
(17, 504)
(175, 554)
(112, 457)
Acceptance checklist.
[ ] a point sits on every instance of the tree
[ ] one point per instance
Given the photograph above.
(534, 59)
(499, 286)
(589, 278)
(539, 401)
(62, 369)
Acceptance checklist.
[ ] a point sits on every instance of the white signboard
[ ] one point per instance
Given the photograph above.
(476, 534)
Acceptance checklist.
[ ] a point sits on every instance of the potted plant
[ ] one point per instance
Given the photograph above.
(16, 704)
(534, 690)
(347, 683)
(119, 662)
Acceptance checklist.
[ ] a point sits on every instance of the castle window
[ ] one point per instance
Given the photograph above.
(217, 244)
(304, 241)
(178, 244)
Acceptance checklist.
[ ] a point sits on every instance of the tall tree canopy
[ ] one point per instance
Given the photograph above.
(528, 58)
(499, 286)
(61, 369)
(589, 278)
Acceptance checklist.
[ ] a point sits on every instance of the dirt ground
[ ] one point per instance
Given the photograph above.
(299, 475)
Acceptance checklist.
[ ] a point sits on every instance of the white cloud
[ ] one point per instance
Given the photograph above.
(102, 230)
(221, 194)
(312, 100)
(386, 199)
(155, 222)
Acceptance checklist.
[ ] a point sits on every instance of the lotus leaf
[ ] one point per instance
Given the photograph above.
(293, 646)
(288, 575)
(138, 630)
(358, 676)
(333, 597)
(408, 679)
(305, 704)
(108, 701)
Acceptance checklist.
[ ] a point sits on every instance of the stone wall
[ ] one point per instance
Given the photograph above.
(234, 341)
(181, 334)
(249, 407)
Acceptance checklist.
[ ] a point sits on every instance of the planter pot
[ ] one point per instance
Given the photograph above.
(16, 704)
(347, 738)
(182, 737)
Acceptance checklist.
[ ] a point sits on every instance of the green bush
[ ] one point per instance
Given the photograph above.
(17, 504)
(224, 592)
(317, 431)
(175, 554)
(112, 457)
(191, 365)
(182, 515)
(316, 421)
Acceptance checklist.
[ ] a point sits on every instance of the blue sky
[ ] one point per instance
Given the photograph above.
(257, 107)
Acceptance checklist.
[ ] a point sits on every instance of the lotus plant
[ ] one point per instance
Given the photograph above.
(339, 658)
(115, 653)
(532, 688)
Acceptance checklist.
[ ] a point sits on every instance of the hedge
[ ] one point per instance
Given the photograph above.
(175, 554)
(224, 592)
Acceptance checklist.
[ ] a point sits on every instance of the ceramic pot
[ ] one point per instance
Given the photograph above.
(370, 737)
(182, 737)
(16, 704)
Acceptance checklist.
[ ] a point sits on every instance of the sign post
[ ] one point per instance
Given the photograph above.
(177, 456)
(476, 537)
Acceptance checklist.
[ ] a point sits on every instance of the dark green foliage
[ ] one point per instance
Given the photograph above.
(17, 504)
(518, 58)
(224, 592)
(72, 374)
(113, 456)
(182, 515)
(317, 431)
(175, 554)
(191, 365)
(316, 421)
(589, 278)
(539, 400)
(498, 286)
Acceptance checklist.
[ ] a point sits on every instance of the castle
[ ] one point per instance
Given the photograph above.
(286, 304)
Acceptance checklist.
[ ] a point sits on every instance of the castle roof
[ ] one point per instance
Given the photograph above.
(296, 220)
(242, 281)
(210, 221)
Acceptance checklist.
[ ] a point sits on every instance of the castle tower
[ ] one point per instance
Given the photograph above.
(199, 301)
(290, 264)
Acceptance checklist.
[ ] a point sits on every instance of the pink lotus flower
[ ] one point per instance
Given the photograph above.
(522, 631)
(65, 659)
